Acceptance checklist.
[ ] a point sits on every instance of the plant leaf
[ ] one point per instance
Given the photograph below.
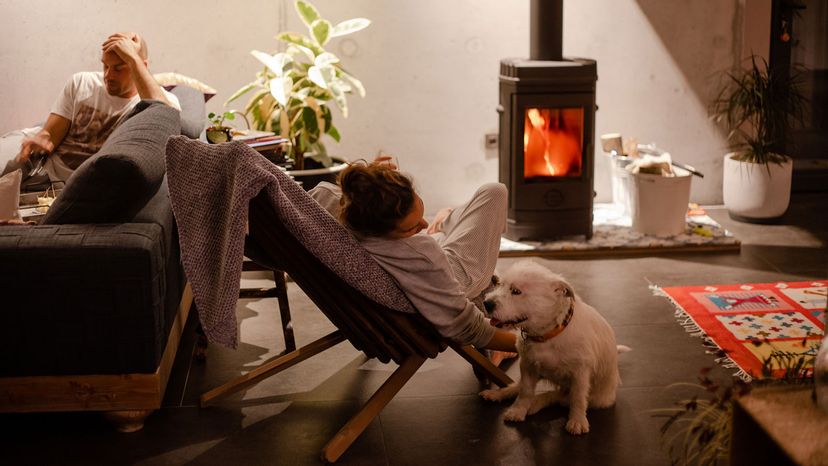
(321, 29)
(356, 83)
(242, 91)
(280, 88)
(339, 98)
(315, 75)
(254, 101)
(325, 59)
(309, 123)
(322, 76)
(284, 126)
(307, 12)
(299, 39)
(326, 117)
(334, 133)
(276, 63)
(317, 110)
(349, 27)
(295, 49)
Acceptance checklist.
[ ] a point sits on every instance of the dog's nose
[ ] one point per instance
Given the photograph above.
(489, 305)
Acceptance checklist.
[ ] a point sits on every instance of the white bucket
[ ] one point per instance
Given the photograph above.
(658, 204)
(621, 183)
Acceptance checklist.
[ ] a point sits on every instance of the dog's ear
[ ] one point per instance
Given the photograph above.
(564, 289)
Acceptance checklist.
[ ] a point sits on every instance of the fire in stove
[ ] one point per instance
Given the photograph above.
(552, 142)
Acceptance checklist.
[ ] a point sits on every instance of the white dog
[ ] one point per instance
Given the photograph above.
(562, 339)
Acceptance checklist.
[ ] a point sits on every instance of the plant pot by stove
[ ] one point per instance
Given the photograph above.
(756, 192)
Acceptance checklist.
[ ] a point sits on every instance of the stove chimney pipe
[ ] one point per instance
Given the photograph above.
(546, 30)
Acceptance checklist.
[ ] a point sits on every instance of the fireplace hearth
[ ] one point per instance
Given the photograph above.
(547, 129)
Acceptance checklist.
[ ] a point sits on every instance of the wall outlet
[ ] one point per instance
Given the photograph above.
(490, 140)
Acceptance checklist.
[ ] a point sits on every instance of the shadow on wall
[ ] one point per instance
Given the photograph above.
(703, 38)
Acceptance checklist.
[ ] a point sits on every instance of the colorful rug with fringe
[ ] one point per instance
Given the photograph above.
(751, 326)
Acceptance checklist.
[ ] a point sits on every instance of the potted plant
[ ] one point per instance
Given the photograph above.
(699, 430)
(758, 106)
(217, 132)
(291, 95)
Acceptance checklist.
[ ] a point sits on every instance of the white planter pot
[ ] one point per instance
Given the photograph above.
(756, 192)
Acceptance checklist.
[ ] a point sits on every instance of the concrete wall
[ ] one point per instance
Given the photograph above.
(430, 68)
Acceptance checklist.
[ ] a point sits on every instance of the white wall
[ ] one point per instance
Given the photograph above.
(430, 68)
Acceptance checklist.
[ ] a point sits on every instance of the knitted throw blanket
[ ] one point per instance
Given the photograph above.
(210, 190)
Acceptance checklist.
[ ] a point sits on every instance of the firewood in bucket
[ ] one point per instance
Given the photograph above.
(631, 148)
(653, 165)
(612, 144)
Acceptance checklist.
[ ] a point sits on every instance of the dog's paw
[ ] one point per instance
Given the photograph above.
(492, 394)
(577, 426)
(543, 400)
(500, 394)
(515, 414)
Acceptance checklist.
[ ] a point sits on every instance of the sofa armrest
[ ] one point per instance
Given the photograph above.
(81, 299)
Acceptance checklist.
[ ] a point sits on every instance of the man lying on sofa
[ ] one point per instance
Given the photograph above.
(91, 106)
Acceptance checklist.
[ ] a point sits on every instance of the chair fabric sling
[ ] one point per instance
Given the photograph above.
(376, 330)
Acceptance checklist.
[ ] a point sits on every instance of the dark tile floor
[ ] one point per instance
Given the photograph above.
(437, 418)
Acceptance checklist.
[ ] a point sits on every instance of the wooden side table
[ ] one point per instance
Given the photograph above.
(779, 426)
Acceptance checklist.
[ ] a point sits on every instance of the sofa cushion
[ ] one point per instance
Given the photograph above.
(87, 299)
(114, 184)
(193, 110)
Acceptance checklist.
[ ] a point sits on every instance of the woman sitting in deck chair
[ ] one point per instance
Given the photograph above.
(443, 269)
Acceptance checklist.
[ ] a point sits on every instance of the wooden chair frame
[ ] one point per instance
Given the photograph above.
(379, 332)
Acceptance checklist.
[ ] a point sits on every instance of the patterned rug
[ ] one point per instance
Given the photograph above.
(745, 324)
(613, 235)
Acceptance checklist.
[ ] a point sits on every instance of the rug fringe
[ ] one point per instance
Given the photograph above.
(691, 327)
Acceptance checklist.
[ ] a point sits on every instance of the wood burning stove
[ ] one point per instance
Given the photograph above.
(547, 129)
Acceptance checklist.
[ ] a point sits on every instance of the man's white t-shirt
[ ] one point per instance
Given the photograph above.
(93, 113)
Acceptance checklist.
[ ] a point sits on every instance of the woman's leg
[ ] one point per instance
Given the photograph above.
(471, 237)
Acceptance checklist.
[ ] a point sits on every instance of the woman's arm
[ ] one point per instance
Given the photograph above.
(502, 341)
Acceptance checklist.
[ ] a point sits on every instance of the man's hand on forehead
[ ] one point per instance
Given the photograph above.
(122, 42)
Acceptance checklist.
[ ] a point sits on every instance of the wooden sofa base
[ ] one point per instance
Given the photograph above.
(126, 395)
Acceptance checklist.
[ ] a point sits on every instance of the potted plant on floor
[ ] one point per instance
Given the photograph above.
(291, 94)
(758, 106)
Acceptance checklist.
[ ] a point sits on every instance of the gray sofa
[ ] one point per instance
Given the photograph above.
(94, 297)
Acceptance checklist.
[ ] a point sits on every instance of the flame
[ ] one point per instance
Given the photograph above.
(552, 142)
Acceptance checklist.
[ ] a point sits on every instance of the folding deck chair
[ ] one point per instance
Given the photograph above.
(376, 330)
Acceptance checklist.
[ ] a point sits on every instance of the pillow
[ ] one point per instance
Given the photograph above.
(10, 195)
(170, 80)
(114, 184)
(193, 111)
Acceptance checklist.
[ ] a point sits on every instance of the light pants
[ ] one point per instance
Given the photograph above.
(471, 237)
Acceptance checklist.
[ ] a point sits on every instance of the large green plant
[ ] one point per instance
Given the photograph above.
(291, 94)
(759, 107)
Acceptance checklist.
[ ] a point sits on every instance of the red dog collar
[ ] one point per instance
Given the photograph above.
(555, 331)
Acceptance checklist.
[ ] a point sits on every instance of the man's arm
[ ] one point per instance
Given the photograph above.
(52, 134)
(127, 46)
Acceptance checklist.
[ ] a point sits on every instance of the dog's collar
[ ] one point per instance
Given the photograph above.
(555, 331)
